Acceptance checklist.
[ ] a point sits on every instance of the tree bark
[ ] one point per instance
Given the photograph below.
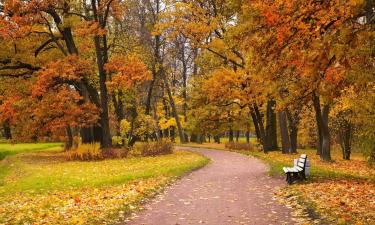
(323, 129)
(271, 133)
(345, 137)
(231, 136)
(293, 121)
(217, 139)
(256, 126)
(101, 59)
(69, 138)
(237, 135)
(7, 130)
(316, 102)
(259, 119)
(285, 142)
(174, 110)
(247, 134)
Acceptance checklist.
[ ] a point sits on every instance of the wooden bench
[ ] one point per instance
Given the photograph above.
(297, 172)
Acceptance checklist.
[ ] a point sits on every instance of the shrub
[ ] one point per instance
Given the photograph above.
(85, 152)
(118, 141)
(162, 147)
(239, 146)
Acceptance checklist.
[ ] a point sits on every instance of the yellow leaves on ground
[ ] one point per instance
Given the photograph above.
(356, 167)
(44, 188)
(77, 206)
(339, 201)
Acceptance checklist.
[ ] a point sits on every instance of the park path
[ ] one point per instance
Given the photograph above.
(231, 189)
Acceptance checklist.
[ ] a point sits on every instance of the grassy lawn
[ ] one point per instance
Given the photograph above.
(13, 149)
(340, 192)
(41, 187)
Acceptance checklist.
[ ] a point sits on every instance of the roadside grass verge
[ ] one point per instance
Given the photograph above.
(43, 188)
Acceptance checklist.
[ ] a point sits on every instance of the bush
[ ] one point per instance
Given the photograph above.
(239, 146)
(156, 148)
(85, 152)
(118, 141)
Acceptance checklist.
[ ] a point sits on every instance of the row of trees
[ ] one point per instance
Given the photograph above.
(193, 68)
(276, 61)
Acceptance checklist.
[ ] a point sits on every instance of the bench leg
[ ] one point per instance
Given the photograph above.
(289, 179)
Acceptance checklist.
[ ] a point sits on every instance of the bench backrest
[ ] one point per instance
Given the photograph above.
(302, 161)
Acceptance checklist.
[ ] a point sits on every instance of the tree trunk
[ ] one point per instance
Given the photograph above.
(174, 110)
(318, 119)
(101, 59)
(259, 123)
(285, 142)
(345, 138)
(322, 123)
(7, 130)
(293, 121)
(271, 133)
(237, 135)
(119, 106)
(69, 138)
(247, 134)
(256, 126)
(217, 139)
(231, 136)
(149, 95)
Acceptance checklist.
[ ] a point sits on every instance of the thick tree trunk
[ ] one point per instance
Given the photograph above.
(323, 129)
(174, 110)
(271, 128)
(285, 142)
(7, 130)
(101, 59)
(318, 118)
(69, 138)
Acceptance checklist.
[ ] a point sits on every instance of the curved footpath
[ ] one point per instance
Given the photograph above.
(231, 189)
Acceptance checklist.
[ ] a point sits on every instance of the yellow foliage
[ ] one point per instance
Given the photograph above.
(125, 127)
(85, 152)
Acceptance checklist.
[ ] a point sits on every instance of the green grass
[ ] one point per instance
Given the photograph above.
(42, 187)
(7, 149)
(44, 171)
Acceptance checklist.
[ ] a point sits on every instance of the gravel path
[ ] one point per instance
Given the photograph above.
(231, 189)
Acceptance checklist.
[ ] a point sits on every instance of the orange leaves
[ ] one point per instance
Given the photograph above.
(69, 69)
(8, 110)
(223, 86)
(128, 71)
(271, 15)
(90, 28)
(343, 201)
